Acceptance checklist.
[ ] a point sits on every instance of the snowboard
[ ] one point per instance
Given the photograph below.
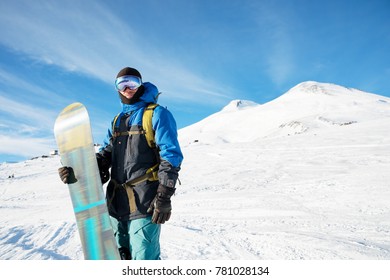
(76, 147)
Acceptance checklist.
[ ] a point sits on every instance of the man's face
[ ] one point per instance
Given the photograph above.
(128, 93)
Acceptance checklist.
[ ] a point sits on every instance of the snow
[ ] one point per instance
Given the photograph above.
(305, 176)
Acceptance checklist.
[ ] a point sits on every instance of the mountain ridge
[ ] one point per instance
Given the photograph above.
(307, 107)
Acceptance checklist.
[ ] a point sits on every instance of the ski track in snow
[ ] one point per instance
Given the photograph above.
(48, 244)
(36, 215)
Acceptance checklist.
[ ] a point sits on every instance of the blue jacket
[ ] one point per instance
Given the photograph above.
(129, 156)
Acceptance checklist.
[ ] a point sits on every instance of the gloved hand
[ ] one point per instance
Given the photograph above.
(67, 175)
(103, 168)
(161, 205)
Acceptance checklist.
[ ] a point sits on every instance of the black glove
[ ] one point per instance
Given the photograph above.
(161, 205)
(67, 175)
(103, 168)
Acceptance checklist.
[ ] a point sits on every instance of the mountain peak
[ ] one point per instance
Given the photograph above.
(312, 87)
(239, 104)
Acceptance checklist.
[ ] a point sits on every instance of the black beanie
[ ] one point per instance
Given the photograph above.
(128, 71)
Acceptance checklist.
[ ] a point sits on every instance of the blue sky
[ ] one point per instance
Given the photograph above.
(201, 54)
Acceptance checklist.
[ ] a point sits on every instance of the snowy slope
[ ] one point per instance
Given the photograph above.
(305, 176)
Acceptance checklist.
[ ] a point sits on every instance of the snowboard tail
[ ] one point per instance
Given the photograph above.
(75, 144)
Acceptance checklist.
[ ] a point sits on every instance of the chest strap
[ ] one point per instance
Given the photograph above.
(127, 133)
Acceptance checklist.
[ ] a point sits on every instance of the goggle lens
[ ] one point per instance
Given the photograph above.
(132, 82)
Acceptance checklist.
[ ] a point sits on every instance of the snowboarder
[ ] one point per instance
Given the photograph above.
(143, 177)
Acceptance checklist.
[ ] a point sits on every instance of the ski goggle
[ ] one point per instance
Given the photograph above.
(132, 82)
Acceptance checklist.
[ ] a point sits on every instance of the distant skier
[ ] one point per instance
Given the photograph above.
(143, 178)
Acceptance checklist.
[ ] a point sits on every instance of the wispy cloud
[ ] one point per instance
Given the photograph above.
(276, 26)
(38, 116)
(25, 147)
(25, 128)
(185, 85)
(89, 39)
(22, 84)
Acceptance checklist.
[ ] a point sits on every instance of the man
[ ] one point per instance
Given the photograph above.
(143, 176)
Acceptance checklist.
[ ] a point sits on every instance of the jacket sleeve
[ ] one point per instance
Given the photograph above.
(171, 157)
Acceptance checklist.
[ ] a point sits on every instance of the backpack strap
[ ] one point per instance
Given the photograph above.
(115, 125)
(148, 126)
(115, 128)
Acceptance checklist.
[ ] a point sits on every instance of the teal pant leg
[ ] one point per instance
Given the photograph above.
(121, 232)
(144, 239)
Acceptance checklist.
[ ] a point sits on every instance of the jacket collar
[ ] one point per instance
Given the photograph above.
(150, 96)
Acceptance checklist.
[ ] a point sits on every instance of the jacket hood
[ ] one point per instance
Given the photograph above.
(150, 95)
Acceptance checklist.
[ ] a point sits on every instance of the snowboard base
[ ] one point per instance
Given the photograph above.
(76, 147)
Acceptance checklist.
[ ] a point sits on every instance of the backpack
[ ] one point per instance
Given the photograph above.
(147, 126)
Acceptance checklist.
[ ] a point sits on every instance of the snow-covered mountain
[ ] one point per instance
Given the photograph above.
(305, 176)
(307, 108)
